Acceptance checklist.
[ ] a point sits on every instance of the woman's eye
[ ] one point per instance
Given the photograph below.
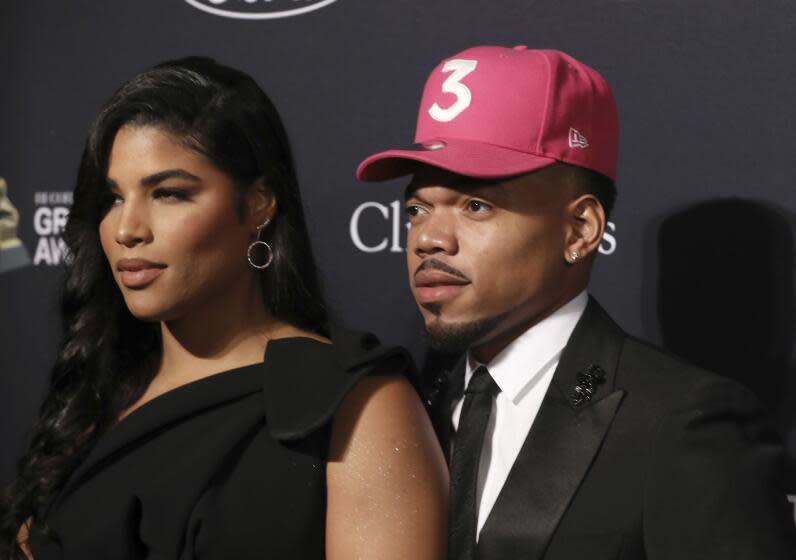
(478, 206)
(109, 199)
(171, 194)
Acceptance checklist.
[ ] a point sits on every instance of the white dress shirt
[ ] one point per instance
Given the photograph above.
(523, 371)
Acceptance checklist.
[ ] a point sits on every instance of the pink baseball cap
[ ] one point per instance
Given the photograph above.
(492, 112)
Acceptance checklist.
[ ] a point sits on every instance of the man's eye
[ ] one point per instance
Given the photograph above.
(413, 210)
(478, 206)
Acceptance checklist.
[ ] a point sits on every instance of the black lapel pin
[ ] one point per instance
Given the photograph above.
(588, 380)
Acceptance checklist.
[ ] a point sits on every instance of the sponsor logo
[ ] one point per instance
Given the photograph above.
(49, 221)
(375, 227)
(258, 9)
(384, 233)
(13, 253)
(577, 140)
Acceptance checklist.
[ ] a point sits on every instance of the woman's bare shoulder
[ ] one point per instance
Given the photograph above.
(385, 464)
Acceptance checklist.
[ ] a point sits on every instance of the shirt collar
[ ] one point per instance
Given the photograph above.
(522, 362)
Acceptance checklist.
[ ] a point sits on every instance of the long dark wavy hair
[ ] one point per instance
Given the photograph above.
(223, 114)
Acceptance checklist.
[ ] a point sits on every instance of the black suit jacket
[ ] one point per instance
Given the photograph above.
(665, 462)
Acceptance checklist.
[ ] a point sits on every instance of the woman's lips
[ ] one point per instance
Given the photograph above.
(139, 278)
(138, 273)
(436, 286)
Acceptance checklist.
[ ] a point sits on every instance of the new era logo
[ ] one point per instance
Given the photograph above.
(577, 140)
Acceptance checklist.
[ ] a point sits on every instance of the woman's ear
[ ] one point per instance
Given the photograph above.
(587, 225)
(260, 204)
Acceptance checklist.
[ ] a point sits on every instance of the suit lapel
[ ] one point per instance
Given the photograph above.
(447, 387)
(560, 446)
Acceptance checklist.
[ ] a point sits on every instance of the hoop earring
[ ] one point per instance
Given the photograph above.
(268, 259)
(261, 243)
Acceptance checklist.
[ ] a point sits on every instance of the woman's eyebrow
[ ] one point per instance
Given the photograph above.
(157, 178)
(161, 176)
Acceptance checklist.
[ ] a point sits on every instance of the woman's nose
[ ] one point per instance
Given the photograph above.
(133, 225)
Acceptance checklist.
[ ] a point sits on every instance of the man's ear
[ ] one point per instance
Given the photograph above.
(586, 227)
(260, 204)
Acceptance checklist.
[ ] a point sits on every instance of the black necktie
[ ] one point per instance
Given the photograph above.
(462, 514)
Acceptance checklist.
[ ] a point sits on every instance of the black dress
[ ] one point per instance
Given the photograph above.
(228, 467)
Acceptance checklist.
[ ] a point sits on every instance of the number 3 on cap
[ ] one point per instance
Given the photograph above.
(454, 85)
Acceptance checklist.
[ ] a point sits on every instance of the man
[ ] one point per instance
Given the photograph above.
(567, 438)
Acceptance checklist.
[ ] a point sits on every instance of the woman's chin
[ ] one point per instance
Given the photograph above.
(151, 313)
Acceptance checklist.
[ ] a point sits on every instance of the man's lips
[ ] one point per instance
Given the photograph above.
(431, 277)
(138, 273)
(435, 285)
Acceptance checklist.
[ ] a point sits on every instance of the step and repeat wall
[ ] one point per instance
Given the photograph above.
(698, 256)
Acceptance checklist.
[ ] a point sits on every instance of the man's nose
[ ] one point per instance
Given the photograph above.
(437, 234)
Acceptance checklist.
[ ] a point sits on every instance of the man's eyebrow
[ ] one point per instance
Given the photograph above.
(472, 185)
(411, 188)
(161, 176)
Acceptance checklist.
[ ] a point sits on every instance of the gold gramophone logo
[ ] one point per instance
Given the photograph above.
(12, 252)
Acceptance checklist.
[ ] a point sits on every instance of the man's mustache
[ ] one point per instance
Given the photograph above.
(434, 264)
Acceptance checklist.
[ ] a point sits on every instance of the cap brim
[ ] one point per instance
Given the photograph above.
(465, 157)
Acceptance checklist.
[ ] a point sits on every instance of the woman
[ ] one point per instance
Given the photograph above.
(165, 433)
